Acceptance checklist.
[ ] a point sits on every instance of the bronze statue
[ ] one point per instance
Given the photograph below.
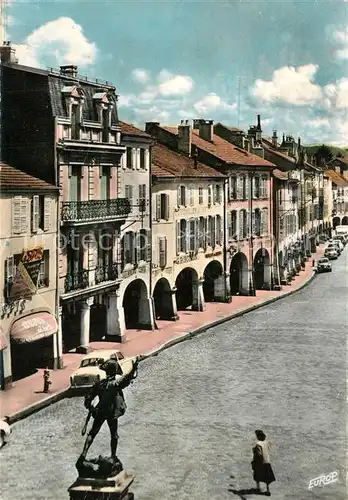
(110, 407)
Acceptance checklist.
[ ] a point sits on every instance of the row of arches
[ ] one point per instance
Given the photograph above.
(186, 289)
(337, 221)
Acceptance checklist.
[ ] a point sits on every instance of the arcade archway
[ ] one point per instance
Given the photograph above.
(239, 281)
(162, 296)
(345, 221)
(186, 290)
(136, 305)
(336, 221)
(261, 269)
(213, 285)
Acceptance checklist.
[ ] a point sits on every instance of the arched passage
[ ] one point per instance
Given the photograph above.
(136, 305)
(97, 328)
(186, 289)
(336, 221)
(239, 280)
(261, 269)
(162, 296)
(345, 221)
(213, 285)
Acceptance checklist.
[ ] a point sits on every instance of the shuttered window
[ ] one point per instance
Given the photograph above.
(35, 213)
(20, 215)
(263, 187)
(232, 187)
(200, 196)
(257, 231)
(181, 196)
(162, 251)
(257, 187)
(219, 234)
(191, 196)
(210, 195)
(264, 221)
(241, 224)
(202, 233)
(253, 223)
(142, 158)
(178, 238)
(129, 193)
(192, 238)
(245, 187)
(239, 188)
(162, 206)
(245, 223)
(129, 162)
(142, 197)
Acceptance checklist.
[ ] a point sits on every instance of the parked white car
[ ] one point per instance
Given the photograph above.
(5, 431)
(89, 372)
(339, 243)
(331, 253)
(334, 246)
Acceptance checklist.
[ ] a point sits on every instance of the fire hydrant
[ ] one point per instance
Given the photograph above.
(47, 381)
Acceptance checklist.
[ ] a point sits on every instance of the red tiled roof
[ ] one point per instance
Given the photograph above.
(179, 165)
(336, 178)
(267, 145)
(225, 150)
(14, 179)
(340, 160)
(128, 128)
(160, 172)
(280, 175)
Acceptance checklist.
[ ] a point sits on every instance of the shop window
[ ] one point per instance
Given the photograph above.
(43, 280)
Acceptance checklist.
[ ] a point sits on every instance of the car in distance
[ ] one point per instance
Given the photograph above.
(339, 243)
(89, 370)
(334, 246)
(324, 265)
(331, 253)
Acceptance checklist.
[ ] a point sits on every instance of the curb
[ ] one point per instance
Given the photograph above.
(44, 403)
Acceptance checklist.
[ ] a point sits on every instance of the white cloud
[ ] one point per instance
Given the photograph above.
(140, 75)
(61, 38)
(290, 85)
(212, 102)
(171, 85)
(342, 38)
(336, 95)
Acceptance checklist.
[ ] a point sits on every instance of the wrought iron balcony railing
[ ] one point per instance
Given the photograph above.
(77, 280)
(105, 273)
(93, 210)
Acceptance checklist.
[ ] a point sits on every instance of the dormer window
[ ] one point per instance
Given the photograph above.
(104, 107)
(74, 99)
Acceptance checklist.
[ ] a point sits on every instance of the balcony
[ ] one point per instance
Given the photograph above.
(79, 212)
(103, 273)
(77, 280)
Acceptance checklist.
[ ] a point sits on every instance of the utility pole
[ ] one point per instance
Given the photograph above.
(3, 22)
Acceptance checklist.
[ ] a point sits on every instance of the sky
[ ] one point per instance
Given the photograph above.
(224, 60)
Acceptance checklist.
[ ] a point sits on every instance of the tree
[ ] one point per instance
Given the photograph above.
(323, 154)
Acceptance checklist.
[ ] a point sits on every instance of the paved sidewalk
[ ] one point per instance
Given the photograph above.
(26, 395)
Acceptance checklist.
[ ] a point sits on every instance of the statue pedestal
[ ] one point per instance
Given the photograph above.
(111, 488)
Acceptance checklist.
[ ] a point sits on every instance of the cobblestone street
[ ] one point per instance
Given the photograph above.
(193, 410)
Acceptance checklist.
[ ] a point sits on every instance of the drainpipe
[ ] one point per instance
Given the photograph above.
(251, 242)
(57, 295)
(227, 296)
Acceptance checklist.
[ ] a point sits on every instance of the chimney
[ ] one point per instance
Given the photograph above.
(258, 122)
(8, 53)
(150, 127)
(258, 130)
(184, 137)
(69, 70)
(206, 130)
(275, 139)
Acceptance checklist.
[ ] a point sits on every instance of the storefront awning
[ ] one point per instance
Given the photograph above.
(3, 340)
(33, 327)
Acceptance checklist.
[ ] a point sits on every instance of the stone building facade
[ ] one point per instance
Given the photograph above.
(188, 234)
(29, 334)
(248, 249)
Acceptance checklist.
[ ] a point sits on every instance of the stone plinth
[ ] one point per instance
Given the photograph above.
(111, 488)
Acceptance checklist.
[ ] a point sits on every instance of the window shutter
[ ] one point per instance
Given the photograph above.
(134, 158)
(24, 215)
(264, 222)
(47, 213)
(130, 190)
(281, 227)
(179, 196)
(248, 186)
(148, 246)
(162, 243)
(35, 214)
(253, 223)
(178, 237)
(196, 236)
(205, 230)
(158, 207)
(147, 159)
(229, 226)
(239, 187)
(134, 247)
(16, 215)
(191, 197)
(137, 246)
(241, 224)
(187, 236)
(166, 207)
(210, 195)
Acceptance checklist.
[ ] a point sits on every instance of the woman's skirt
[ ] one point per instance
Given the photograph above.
(263, 473)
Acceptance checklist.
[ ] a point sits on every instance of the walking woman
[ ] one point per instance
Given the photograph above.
(261, 466)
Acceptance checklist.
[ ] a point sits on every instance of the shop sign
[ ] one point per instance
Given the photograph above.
(31, 260)
(182, 259)
(25, 280)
